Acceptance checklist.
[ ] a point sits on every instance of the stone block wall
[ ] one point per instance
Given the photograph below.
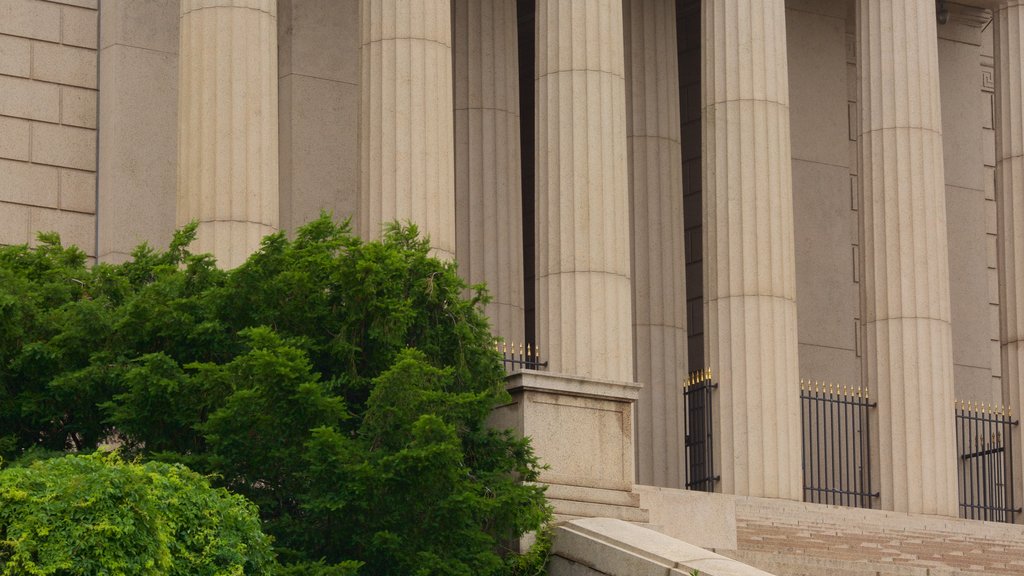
(48, 95)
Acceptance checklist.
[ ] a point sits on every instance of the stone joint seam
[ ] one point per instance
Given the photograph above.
(918, 128)
(893, 318)
(331, 80)
(677, 141)
(564, 272)
(744, 295)
(133, 47)
(201, 8)
(717, 103)
(514, 114)
(574, 70)
(397, 38)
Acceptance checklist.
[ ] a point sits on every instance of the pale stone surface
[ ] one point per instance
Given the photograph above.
(64, 64)
(710, 519)
(30, 19)
(319, 109)
(78, 191)
(14, 223)
(152, 24)
(909, 359)
(16, 140)
(658, 247)
(488, 188)
(25, 98)
(824, 214)
(407, 160)
(618, 548)
(965, 174)
(227, 119)
(1009, 108)
(78, 27)
(138, 126)
(584, 316)
(78, 107)
(15, 56)
(31, 184)
(750, 282)
(572, 419)
(65, 146)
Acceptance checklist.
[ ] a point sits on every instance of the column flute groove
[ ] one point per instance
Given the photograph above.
(658, 249)
(584, 320)
(227, 125)
(406, 122)
(750, 278)
(908, 359)
(488, 190)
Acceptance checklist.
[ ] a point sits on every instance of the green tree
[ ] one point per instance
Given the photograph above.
(341, 385)
(85, 515)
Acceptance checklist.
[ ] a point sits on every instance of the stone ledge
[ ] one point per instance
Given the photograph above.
(553, 382)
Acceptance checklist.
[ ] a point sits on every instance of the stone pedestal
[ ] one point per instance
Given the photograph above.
(583, 429)
(658, 247)
(584, 316)
(909, 357)
(488, 180)
(750, 277)
(406, 119)
(227, 125)
(1008, 30)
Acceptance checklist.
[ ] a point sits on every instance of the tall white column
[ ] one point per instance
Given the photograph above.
(909, 358)
(658, 249)
(406, 119)
(584, 317)
(1009, 96)
(750, 279)
(488, 190)
(227, 125)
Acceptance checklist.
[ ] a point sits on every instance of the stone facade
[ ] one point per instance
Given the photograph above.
(772, 190)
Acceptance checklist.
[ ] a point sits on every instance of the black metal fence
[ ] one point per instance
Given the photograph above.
(984, 439)
(836, 444)
(699, 446)
(521, 356)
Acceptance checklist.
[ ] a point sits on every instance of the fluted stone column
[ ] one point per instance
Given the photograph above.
(750, 280)
(1009, 100)
(909, 359)
(406, 119)
(227, 125)
(488, 190)
(658, 249)
(584, 317)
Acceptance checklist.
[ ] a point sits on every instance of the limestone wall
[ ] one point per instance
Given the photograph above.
(48, 93)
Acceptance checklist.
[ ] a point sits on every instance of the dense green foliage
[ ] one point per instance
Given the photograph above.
(83, 515)
(340, 385)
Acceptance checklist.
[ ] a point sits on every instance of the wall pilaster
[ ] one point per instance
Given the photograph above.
(1008, 30)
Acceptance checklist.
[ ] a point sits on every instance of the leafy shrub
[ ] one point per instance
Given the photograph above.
(95, 514)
